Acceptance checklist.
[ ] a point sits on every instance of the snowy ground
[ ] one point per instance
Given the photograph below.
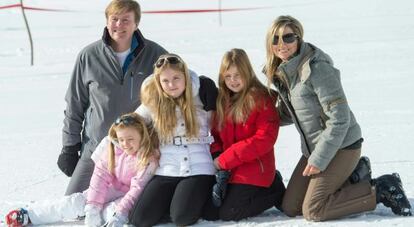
(371, 42)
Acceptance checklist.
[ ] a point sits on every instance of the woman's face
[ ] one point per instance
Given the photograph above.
(172, 82)
(283, 49)
(233, 80)
(129, 139)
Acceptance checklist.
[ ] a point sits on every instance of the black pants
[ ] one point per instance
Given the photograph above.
(82, 175)
(242, 201)
(183, 198)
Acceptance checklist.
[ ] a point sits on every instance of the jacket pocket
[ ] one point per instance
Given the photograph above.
(322, 119)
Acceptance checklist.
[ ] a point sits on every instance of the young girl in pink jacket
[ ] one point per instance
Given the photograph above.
(125, 161)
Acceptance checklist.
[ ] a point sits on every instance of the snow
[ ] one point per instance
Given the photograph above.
(370, 41)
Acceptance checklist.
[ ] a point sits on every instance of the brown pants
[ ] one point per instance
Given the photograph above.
(328, 195)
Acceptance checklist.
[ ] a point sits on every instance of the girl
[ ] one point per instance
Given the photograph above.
(245, 129)
(174, 101)
(125, 162)
(311, 96)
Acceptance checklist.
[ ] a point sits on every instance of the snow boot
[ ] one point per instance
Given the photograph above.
(219, 189)
(390, 192)
(17, 218)
(362, 171)
(281, 189)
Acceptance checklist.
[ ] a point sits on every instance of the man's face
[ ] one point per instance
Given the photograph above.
(121, 27)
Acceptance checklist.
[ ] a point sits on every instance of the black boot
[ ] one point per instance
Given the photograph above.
(362, 171)
(219, 189)
(281, 189)
(391, 193)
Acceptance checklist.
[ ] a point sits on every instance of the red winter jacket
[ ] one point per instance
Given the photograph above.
(248, 147)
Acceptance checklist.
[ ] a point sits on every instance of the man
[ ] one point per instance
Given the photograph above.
(105, 83)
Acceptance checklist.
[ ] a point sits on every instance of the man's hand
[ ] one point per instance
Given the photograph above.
(68, 159)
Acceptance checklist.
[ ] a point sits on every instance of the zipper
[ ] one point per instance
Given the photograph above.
(132, 85)
(290, 108)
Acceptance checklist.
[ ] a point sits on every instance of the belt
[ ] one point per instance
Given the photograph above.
(182, 140)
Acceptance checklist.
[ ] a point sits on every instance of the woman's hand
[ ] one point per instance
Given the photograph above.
(310, 170)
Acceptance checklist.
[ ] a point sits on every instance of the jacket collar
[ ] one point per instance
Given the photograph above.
(291, 67)
(138, 41)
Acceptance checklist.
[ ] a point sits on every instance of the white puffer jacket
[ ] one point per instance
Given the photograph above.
(190, 159)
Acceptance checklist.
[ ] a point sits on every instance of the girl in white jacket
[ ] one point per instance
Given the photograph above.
(125, 161)
(171, 101)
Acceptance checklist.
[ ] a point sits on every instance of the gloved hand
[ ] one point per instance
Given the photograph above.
(219, 189)
(93, 216)
(117, 220)
(68, 159)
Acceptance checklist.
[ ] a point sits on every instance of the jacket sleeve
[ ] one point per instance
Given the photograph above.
(77, 101)
(100, 150)
(145, 113)
(260, 143)
(217, 146)
(208, 93)
(138, 182)
(100, 182)
(327, 86)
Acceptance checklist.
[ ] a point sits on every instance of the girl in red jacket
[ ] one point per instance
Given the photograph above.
(245, 128)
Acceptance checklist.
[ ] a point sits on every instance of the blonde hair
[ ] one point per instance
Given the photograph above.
(278, 26)
(237, 106)
(124, 6)
(164, 107)
(148, 140)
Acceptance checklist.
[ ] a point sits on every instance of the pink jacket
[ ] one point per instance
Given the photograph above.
(127, 179)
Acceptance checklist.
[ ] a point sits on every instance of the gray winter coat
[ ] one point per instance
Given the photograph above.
(315, 102)
(99, 91)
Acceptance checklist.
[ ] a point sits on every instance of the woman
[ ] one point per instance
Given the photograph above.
(172, 101)
(311, 97)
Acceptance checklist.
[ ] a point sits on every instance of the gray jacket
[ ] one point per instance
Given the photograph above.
(99, 91)
(315, 102)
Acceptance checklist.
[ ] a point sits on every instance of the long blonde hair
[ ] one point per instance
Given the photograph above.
(278, 26)
(148, 139)
(163, 106)
(237, 106)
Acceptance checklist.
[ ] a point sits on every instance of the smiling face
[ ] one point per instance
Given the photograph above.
(233, 79)
(121, 27)
(172, 82)
(282, 49)
(128, 139)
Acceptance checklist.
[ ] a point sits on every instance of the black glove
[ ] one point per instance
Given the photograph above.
(219, 189)
(68, 159)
